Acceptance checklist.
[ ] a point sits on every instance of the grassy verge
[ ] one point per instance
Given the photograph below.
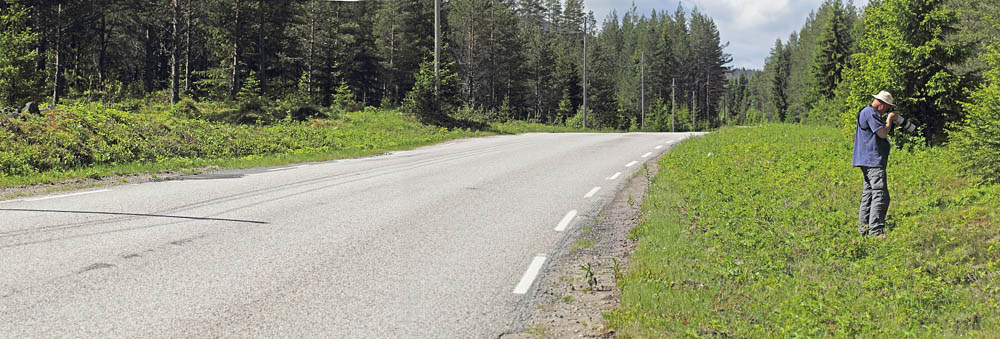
(752, 233)
(91, 141)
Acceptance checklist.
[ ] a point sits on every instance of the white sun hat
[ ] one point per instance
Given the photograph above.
(885, 97)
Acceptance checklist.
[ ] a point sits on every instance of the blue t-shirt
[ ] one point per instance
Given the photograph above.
(869, 149)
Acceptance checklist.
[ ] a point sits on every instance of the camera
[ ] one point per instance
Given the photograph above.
(907, 126)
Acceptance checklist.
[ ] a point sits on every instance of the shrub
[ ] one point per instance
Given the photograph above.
(576, 121)
(186, 108)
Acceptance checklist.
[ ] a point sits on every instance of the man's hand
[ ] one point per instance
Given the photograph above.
(890, 119)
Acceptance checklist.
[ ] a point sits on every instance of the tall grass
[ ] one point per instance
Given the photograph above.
(752, 233)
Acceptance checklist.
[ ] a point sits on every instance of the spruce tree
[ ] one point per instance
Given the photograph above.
(831, 52)
(978, 137)
(433, 100)
(778, 70)
(19, 80)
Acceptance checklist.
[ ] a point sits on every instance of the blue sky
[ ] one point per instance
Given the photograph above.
(750, 26)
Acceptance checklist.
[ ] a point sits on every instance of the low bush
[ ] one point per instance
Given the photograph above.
(751, 232)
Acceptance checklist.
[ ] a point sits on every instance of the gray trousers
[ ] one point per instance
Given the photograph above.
(874, 201)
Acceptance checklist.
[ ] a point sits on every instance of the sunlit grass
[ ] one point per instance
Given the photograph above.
(751, 233)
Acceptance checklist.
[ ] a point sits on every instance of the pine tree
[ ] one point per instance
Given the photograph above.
(710, 64)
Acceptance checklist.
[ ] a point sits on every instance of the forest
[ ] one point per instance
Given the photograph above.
(255, 62)
(502, 60)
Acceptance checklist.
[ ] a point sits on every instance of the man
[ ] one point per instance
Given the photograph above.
(871, 154)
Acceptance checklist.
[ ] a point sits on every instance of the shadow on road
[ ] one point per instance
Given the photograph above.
(133, 215)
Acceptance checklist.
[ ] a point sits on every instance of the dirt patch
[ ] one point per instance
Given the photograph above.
(581, 285)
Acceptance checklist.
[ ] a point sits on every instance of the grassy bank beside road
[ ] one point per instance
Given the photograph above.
(92, 141)
(752, 233)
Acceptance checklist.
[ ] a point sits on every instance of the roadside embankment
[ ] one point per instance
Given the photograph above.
(752, 233)
(87, 142)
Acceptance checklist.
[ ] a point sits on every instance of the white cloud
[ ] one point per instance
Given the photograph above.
(750, 26)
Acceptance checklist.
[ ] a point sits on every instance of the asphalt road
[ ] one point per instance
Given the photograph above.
(436, 242)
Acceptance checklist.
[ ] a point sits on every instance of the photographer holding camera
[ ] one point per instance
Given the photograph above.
(871, 154)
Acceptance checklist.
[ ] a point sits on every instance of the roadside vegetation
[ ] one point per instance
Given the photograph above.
(92, 140)
(751, 232)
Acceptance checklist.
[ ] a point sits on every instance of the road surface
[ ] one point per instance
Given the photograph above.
(442, 242)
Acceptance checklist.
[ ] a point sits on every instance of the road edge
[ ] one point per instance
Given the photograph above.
(563, 303)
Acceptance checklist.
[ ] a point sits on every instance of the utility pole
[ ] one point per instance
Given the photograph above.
(673, 104)
(642, 99)
(585, 73)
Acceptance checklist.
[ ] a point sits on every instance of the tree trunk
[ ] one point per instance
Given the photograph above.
(174, 95)
(187, 47)
(56, 82)
(235, 87)
(149, 63)
(312, 46)
(392, 55)
(261, 58)
(102, 49)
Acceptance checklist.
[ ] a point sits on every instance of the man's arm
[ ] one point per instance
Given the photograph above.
(884, 132)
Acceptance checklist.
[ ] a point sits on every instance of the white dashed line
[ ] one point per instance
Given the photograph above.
(592, 192)
(65, 195)
(632, 164)
(613, 177)
(530, 275)
(565, 221)
(659, 147)
(647, 155)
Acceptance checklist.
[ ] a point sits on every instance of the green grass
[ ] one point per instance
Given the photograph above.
(581, 244)
(91, 141)
(752, 233)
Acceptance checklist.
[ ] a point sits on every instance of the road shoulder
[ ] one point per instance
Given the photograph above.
(581, 284)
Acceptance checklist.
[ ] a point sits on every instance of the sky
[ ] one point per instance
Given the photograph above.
(750, 26)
